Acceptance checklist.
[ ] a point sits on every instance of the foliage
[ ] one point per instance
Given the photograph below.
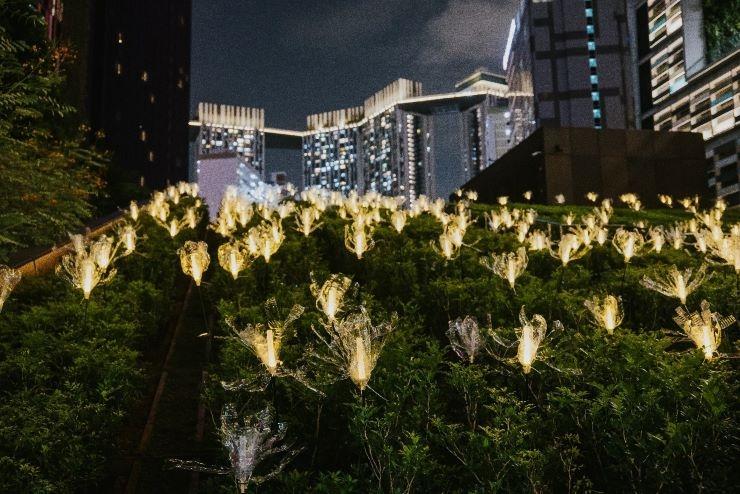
(71, 370)
(49, 175)
(635, 410)
(721, 27)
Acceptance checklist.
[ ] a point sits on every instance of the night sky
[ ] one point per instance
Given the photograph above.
(296, 57)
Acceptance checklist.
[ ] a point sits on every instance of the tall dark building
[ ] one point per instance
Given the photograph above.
(138, 93)
(568, 65)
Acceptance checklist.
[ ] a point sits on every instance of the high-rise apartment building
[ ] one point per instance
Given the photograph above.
(567, 65)
(681, 88)
(485, 127)
(331, 149)
(139, 80)
(232, 129)
(375, 147)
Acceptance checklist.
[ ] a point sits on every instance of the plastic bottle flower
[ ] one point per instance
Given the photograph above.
(133, 210)
(398, 220)
(249, 442)
(358, 239)
(127, 237)
(330, 296)
(102, 251)
(234, 257)
(307, 220)
(194, 259)
(9, 278)
(675, 236)
(445, 247)
(666, 200)
(527, 195)
(465, 338)
(83, 272)
(675, 283)
(538, 240)
(192, 218)
(269, 237)
(530, 335)
(266, 340)
(628, 243)
(569, 218)
(727, 251)
(592, 196)
(560, 199)
(569, 249)
(657, 238)
(508, 266)
(355, 345)
(605, 312)
(502, 200)
(703, 327)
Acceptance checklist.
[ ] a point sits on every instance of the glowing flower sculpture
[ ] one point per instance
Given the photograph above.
(675, 283)
(83, 273)
(266, 340)
(355, 345)
(569, 249)
(657, 238)
(628, 243)
(508, 266)
(330, 296)
(307, 220)
(560, 199)
(605, 312)
(127, 236)
(530, 335)
(538, 240)
(727, 251)
(592, 196)
(133, 210)
(675, 236)
(446, 246)
(703, 327)
(249, 443)
(9, 278)
(465, 338)
(527, 195)
(267, 238)
(398, 220)
(358, 239)
(234, 257)
(194, 259)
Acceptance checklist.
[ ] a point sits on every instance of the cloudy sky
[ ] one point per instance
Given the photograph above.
(296, 57)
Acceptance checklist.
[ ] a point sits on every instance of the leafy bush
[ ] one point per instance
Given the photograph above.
(633, 411)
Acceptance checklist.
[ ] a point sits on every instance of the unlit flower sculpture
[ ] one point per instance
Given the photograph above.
(675, 283)
(330, 296)
(465, 338)
(266, 340)
(355, 345)
(605, 312)
(194, 259)
(703, 327)
(9, 278)
(508, 266)
(249, 442)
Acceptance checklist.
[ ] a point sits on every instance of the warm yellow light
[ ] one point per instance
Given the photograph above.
(357, 239)
(508, 266)
(9, 278)
(675, 283)
(703, 327)
(330, 295)
(233, 257)
(606, 312)
(398, 220)
(628, 243)
(194, 259)
(569, 248)
(531, 333)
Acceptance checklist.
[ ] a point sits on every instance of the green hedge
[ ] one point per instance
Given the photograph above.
(635, 411)
(70, 373)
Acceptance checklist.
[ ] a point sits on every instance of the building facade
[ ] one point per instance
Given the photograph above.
(374, 147)
(681, 89)
(138, 89)
(232, 129)
(567, 65)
